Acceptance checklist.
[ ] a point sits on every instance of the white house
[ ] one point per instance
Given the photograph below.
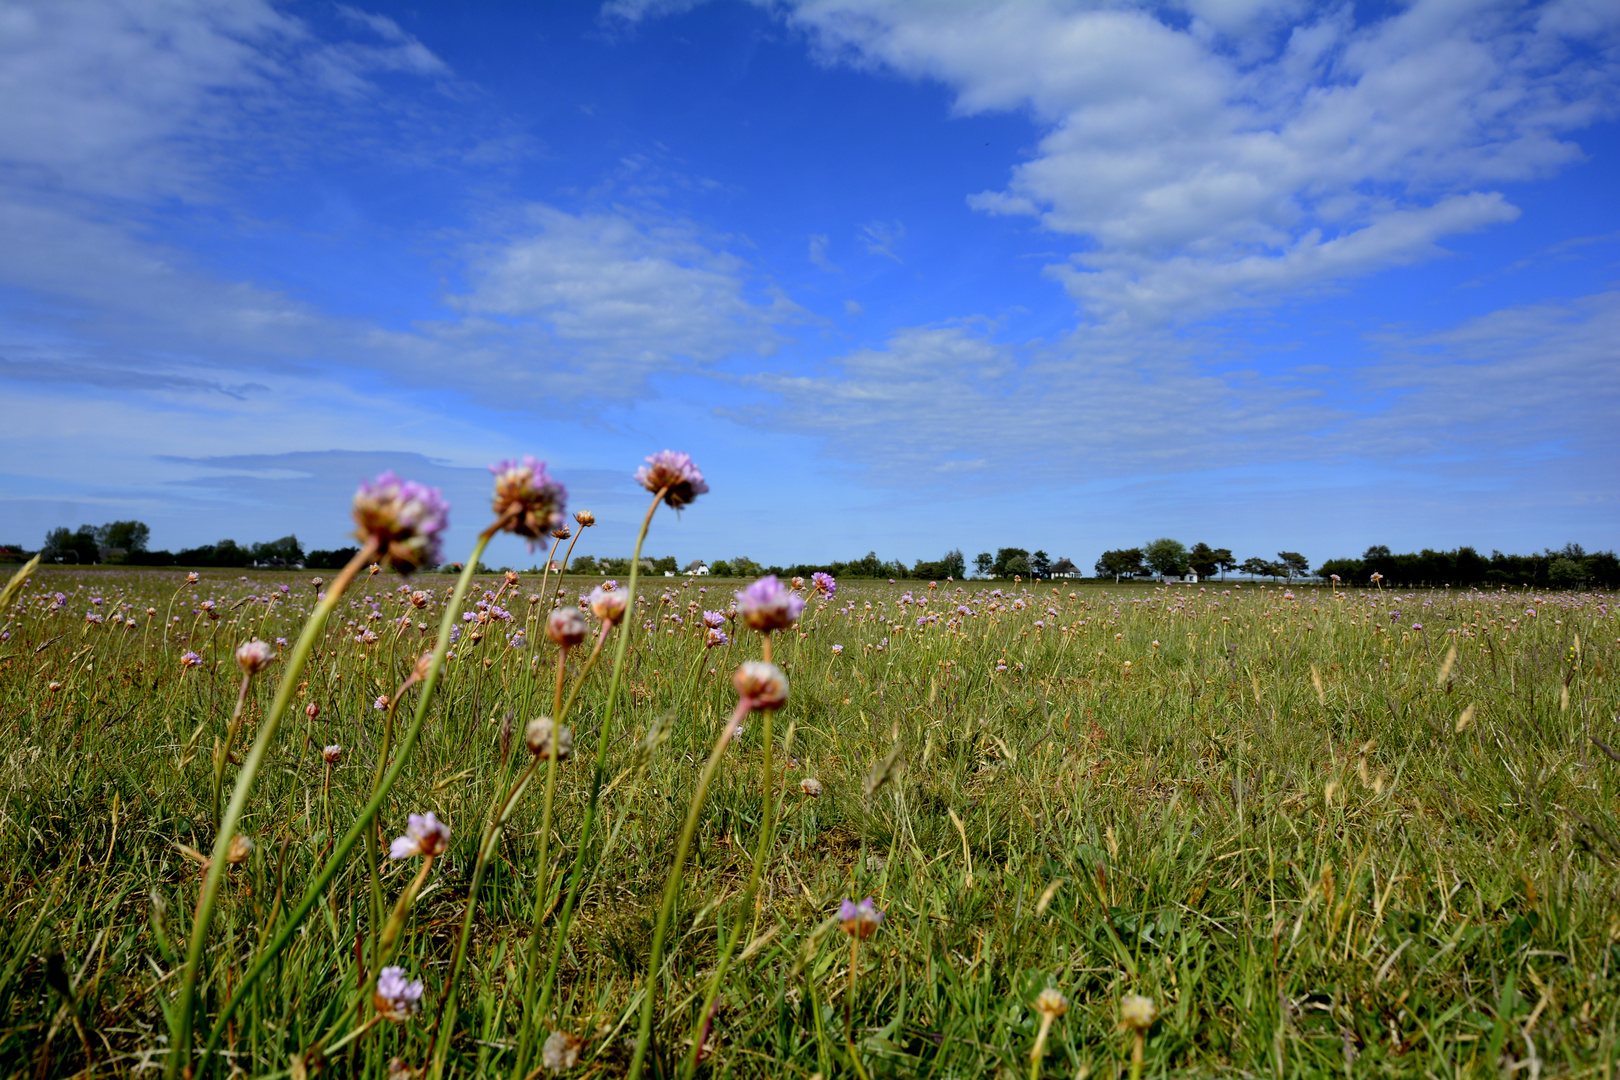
(697, 568)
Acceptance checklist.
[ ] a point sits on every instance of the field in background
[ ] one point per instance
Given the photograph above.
(1365, 833)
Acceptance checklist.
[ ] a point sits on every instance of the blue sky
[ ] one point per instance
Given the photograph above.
(901, 276)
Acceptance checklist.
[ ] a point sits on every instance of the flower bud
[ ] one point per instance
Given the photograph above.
(566, 627)
(760, 684)
(585, 518)
(254, 656)
(312, 710)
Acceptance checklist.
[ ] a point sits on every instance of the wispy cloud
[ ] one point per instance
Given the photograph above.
(881, 238)
(818, 255)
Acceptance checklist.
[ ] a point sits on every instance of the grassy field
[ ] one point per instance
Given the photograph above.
(1363, 833)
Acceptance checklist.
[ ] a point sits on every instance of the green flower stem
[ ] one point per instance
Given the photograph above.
(439, 1043)
(180, 1032)
(368, 813)
(373, 855)
(532, 1015)
(767, 837)
(224, 753)
(1039, 1051)
(672, 886)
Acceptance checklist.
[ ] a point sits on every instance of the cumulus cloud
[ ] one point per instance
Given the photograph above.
(1252, 148)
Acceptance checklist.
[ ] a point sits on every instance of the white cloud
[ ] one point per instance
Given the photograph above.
(1201, 164)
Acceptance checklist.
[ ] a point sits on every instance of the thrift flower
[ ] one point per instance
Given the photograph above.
(566, 627)
(761, 685)
(811, 787)
(403, 518)
(674, 472)
(607, 604)
(859, 921)
(332, 754)
(542, 732)
(425, 834)
(254, 656)
(397, 998)
(824, 584)
(766, 605)
(528, 501)
(560, 1051)
(190, 659)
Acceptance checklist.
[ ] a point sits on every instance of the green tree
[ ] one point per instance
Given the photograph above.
(1167, 557)
(984, 563)
(1122, 562)
(1258, 567)
(720, 568)
(64, 545)
(283, 552)
(1224, 562)
(1040, 564)
(130, 536)
(1294, 564)
(1201, 560)
(1004, 556)
(1017, 564)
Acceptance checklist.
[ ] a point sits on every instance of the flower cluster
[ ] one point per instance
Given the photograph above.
(403, 518)
(859, 921)
(768, 605)
(425, 834)
(529, 502)
(398, 998)
(674, 474)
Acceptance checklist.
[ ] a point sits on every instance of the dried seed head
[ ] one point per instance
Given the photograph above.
(585, 518)
(560, 1052)
(1137, 1012)
(241, 848)
(811, 787)
(542, 732)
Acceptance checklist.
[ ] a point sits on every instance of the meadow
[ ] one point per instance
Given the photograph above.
(1326, 831)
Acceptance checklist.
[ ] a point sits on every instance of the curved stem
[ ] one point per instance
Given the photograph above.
(672, 887)
(367, 814)
(180, 1033)
(225, 751)
(531, 1014)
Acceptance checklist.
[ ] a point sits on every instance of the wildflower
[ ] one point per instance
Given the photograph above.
(381, 702)
(811, 787)
(715, 638)
(585, 518)
(1051, 1003)
(566, 627)
(859, 921)
(254, 656)
(766, 605)
(798, 584)
(761, 685)
(562, 532)
(54, 686)
(190, 659)
(332, 754)
(673, 474)
(714, 620)
(191, 578)
(824, 584)
(542, 733)
(400, 1069)
(398, 998)
(838, 650)
(312, 710)
(607, 604)
(528, 501)
(419, 599)
(560, 1051)
(403, 518)
(1376, 577)
(425, 834)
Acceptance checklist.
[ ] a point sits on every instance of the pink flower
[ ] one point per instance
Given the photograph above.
(425, 834)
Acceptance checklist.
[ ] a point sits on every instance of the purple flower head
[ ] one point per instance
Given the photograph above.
(760, 684)
(425, 834)
(837, 650)
(860, 920)
(190, 659)
(607, 603)
(713, 620)
(529, 502)
(403, 518)
(674, 474)
(824, 583)
(715, 638)
(566, 627)
(398, 998)
(768, 605)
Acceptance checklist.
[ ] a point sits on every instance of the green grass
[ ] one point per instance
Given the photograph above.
(1275, 826)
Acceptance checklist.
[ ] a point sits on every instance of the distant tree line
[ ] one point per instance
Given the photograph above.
(951, 564)
(1567, 568)
(128, 543)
